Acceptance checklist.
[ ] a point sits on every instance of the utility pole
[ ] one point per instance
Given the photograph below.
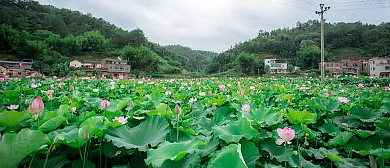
(321, 13)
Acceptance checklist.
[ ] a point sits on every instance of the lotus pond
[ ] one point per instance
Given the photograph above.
(210, 122)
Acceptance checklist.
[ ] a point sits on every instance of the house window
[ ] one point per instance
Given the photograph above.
(387, 67)
(373, 68)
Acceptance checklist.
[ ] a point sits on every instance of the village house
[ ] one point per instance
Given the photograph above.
(276, 65)
(380, 67)
(16, 68)
(112, 67)
(351, 66)
(3, 71)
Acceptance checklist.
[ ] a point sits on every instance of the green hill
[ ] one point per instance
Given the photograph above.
(192, 60)
(50, 36)
(300, 45)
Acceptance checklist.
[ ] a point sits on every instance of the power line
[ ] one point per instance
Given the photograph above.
(307, 2)
(282, 3)
(362, 4)
(349, 9)
(360, 1)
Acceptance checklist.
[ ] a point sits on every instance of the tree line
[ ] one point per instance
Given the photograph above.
(54, 36)
(300, 46)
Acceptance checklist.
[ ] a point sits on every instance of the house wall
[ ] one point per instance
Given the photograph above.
(379, 66)
(276, 65)
(75, 64)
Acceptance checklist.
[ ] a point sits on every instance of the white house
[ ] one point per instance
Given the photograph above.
(75, 64)
(276, 65)
(380, 66)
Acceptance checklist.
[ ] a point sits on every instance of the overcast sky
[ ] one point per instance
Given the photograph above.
(216, 25)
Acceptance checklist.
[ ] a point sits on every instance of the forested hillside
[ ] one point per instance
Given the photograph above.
(52, 36)
(193, 60)
(301, 46)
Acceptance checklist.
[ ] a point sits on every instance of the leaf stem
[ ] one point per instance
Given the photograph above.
(32, 159)
(47, 155)
(177, 130)
(81, 155)
(285, 154)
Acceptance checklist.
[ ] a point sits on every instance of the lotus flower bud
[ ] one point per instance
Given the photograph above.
(36, 106)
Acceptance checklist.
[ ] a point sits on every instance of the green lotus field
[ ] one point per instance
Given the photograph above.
(209, 122)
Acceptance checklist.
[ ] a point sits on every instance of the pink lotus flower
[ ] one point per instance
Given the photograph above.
(252, 88)
(2, 79)
(387, 88)
(50, 91)
(360, 85)
(13, 107)
(74, 109)
(304, 88)
(178, 109)
(222, 87)
(243, 91)
(167, 93)
(104, 104)
(210, 93)
(245, 107)
(121, 119)
(343, 99)
(286, 134)
(202, 94)
(326, 94)
(36, 106)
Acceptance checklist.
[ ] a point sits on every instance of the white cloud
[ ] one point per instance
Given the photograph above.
(212, 24)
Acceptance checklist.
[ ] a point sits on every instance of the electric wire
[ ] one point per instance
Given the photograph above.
(352, 2)
(295, 6)
(361, 4)
(350, 9)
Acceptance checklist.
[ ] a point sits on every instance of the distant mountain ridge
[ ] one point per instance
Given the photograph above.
(192, 60)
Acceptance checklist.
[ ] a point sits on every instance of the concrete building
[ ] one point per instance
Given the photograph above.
(16, 68)
(75, 63)
(112, 67)
(351, 66)
(276, 65)
(380, 67)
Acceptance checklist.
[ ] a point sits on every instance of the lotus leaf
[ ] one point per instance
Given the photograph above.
(150, 132)
(15, 147)
(236, 130)
(229, 156)
(170, 151)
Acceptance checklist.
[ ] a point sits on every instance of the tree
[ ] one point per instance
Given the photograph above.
(136, 37)
(249, 64)
(267, 69)
(309, 54)
(9, 38)
(71, 45)
(290, 68)
(94, 41)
